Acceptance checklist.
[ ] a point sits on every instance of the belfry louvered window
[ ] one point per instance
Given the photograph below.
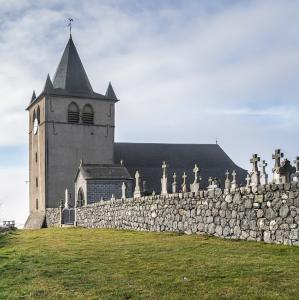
(73, 113)
(87, 114)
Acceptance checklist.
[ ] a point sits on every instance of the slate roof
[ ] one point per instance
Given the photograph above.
(70, 79)
(180, 158)
(103, 172)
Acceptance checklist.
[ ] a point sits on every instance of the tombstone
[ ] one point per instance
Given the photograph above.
(66, 202)
(264, 175)
(210, 183)
(213, 183)
(174, 183)
(227, 183)
(123, 190)
(286, 171)
(276, 170)
(184, 185)
(112, 197)
(255, 174)
(164, 180)
(194, 187)
(137, 192)
(248, 180)
(234, 181)
(296, 175)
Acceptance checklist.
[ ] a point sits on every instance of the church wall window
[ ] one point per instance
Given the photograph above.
(36, 204)
(38, 115)
(36, 157)
(36, 182)
(87, 114)
(73, 113)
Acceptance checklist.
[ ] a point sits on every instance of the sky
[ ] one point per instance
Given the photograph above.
(184, 71)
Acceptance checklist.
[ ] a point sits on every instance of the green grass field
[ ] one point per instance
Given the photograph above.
(78, 263)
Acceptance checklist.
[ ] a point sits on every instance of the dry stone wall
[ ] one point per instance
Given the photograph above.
(267, 213)
(53, 217)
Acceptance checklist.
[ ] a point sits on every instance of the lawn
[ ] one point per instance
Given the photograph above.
(77, 263)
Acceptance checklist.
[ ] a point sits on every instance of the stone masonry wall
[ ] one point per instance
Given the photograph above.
(53, 217)
(267, 213)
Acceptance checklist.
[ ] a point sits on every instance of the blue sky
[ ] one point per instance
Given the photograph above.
(185, 71)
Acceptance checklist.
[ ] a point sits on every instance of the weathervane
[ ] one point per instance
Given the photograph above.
(70, 25)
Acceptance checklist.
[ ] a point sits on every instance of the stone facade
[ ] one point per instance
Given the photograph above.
(53, 217)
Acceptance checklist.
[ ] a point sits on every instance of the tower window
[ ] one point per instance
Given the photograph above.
(36, 204)
(73, 113)
(36, 182)
(36, 157)
(87, 114)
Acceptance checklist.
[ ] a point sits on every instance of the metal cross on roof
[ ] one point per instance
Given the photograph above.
(277, 156)
(254, 160)
(70, 25)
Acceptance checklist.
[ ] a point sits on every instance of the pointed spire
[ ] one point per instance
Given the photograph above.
(33, 96)
(110, 92)
(48, 85)
(70, 74)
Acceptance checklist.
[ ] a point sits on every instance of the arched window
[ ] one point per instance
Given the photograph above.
(38, 115)
(73, 113)
(87, 114)
(80, 197)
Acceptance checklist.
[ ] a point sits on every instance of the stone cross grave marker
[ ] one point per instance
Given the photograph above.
(264, 175)
(234, 181)
(137, 193)
(174, 184)
(194, 187)
(164, 180)
(277, 156)
(184, 186)
(227, 181)
(255, 174)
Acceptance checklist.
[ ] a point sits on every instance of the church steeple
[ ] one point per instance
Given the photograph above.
(70, 74)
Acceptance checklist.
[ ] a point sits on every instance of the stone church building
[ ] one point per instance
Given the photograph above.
(71, 146)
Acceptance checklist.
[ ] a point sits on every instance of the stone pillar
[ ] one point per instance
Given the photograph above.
(137, 192)
(164, 180)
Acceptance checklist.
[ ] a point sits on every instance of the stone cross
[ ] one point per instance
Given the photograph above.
(210, 180)
(254, 160)
(264, 175)
(123, 190)
(234, 181)
(296, 162)
(66, 202)
(196, 171)
(137, 193)
(227, 183)
(184, 186)
(164, 180)
(277, 156)
(174, 184)
(248, 180)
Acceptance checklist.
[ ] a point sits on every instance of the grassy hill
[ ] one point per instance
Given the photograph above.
(78, 263)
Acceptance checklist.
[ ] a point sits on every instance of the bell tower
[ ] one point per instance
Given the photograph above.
(68, 122)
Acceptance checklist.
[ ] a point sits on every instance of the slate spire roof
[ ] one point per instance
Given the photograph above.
(110, 92)
(48, 85)
(70, 74)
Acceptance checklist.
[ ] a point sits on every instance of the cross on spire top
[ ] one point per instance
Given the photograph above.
(70, 25)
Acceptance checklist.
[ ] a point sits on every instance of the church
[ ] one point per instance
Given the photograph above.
(72, 146)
